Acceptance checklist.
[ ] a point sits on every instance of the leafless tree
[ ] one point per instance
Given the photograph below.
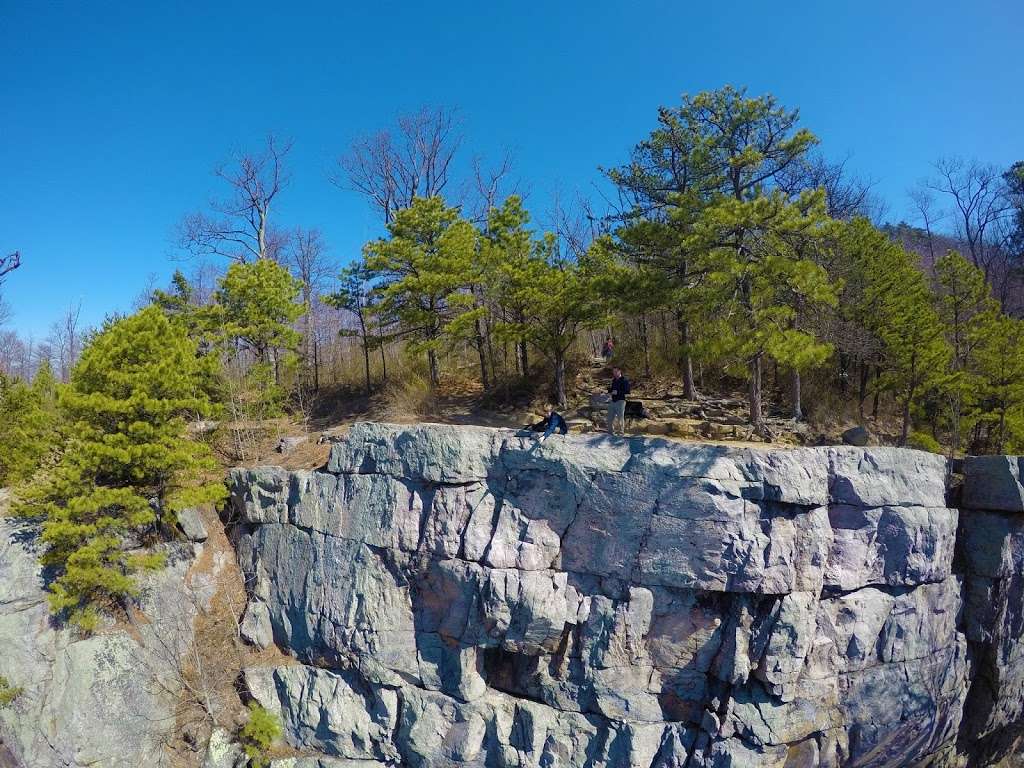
(924, 201)
(238, 226)
(5, 311)
(978, 195)
(575, 222)
(9, 263)
(391, 168)
(846, 195)
(490, 185)
(307, 258)
(66, 340)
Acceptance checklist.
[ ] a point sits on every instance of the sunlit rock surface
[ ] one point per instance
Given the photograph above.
(461, 596)
(105, 700)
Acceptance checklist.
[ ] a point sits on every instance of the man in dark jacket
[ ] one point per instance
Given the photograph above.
(617, 407)
(552, 421)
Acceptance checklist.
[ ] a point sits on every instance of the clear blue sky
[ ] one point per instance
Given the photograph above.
(113, 115)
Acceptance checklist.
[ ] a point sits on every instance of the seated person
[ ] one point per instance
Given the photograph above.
(550, 423)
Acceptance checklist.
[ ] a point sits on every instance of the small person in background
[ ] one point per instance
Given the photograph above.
(552, 421)
(607, 348)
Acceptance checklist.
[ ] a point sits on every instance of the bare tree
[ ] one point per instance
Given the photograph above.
(66, 340)
(491, 185)
(393, 168)
(575, 222)
(307, 258)
(924, 201)
(239, 226)
(846, 195)
(980, 203)
(9, 263)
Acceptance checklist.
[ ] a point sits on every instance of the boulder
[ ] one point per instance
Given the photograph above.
(190, 522)
(289, 444)
(858, 436)
(223, 751)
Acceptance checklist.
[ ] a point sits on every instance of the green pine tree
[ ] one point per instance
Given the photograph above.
(558, 298)
(28, 425)
(422, 274)
(966, 307)
(1000, 360)
(891, 299)
(256, 304)
(129, 465)
(353, 295)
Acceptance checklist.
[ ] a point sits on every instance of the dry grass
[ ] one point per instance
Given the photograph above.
(206, 677)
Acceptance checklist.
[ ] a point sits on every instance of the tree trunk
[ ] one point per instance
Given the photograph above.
(307, 328)
(905, 429)
(524, 361)
(481, 351)
(646, 342)
(874, 400)
(756, 416)
(492, 360)
(560, 381)
(686, 360)
(383, 361)
(862, 394)
(954, 442)
(798, 412)
(435, 371)
(316, 365)
(366, 352)
(366, 365)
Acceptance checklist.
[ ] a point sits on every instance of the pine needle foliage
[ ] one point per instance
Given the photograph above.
(128, 466)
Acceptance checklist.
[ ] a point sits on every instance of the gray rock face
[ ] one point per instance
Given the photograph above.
(991, 555)
(85, 702)
(464, 597)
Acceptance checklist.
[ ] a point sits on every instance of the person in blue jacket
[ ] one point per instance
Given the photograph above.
(551, 422)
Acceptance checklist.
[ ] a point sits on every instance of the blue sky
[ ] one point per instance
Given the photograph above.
(114, 115)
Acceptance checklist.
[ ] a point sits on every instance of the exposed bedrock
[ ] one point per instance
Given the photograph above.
(461, 596)
(105, 700)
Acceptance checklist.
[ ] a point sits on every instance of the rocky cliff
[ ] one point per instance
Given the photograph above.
(465, 597)
(106, 701)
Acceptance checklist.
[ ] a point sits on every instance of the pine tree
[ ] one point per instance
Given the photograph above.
(129, 465)
(628, 285)
(353, 294)
(1000, 359)
(966, 307)
(758, 275)
(28, 424)
(896, 304)
(506, 248)
(558, 298)
(422, 274)
(257, 303)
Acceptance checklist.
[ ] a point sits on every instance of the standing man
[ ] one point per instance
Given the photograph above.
(617, 407)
